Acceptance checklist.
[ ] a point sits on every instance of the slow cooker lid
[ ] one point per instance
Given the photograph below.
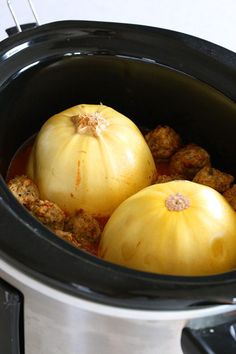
(27, 244)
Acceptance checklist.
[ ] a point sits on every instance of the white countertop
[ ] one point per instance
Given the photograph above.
(213, 20)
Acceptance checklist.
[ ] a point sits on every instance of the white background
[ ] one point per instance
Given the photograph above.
(213, 20)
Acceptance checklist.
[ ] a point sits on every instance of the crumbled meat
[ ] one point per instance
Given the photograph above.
(189, 160)
(230, 196)
(214, 178)
(48, 213)
(24, 189)
(83, 225)
(163, 142)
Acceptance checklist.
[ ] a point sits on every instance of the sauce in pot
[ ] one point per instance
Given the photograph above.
(19, 161)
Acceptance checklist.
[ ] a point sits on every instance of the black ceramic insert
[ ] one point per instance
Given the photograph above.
(154, 77)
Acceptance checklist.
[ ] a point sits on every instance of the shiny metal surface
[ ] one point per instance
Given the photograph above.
(68, 325)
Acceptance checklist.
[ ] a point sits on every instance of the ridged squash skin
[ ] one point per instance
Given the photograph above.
(90, 157)
(198, 237)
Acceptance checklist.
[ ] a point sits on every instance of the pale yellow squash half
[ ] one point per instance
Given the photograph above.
(90, 157)
(177, 228)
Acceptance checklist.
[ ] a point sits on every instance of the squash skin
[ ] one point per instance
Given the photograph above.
(90, 172)
(144, 235)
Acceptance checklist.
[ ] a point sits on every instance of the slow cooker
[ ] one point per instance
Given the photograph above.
(55, 298)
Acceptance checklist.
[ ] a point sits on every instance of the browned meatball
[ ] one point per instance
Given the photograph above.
(48, 213)
(189, 160)
(214, 178)
(68, 236)
(77, 241)
(84, 226)
(168, 178)
(24, 190)
(163, 142)
(230, 196)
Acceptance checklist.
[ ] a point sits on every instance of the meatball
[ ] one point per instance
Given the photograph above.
(48, 213)
(189, 160)
(78, 242)
(163, 142)
(214, 178)
(66, 235)
(84, 226)
(168, 178)
(230, 196)
(24, 189)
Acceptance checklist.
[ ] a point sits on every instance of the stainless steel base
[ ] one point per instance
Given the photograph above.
(58, 323)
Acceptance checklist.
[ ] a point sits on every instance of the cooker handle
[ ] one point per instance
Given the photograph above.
(12, 30)
(20, 28)
(213, 340)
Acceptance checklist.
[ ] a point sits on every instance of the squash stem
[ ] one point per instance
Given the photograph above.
(177, 202)
(89, 124)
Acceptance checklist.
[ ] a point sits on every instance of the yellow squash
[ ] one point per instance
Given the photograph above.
(177, 228)
(90, 157)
